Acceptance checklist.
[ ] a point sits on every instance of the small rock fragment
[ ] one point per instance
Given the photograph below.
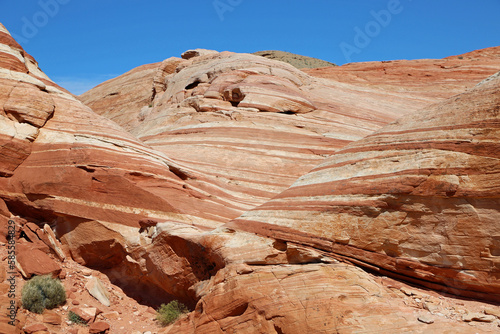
(90, 311)
(35, 328)
(492, 311)
(97, 290)
(407, 291)
(51, 317)
(426, 319)
(478, 317)
(86, 272)
(100, 327)
(113, 315)
(430, 307)
(85, 316)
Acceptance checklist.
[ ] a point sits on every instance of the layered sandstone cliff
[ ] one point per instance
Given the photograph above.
(200, 199)
(431, 79)
(242, 128)
(418, 199)
(90, 180)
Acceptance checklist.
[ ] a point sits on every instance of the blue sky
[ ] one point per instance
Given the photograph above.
(82, 43)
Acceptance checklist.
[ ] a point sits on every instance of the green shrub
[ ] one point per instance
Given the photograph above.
(42, 292)
(170, 312)
(76, 319)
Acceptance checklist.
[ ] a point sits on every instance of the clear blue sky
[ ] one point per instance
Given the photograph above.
(82, 43)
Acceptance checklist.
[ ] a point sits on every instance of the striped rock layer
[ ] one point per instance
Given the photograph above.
(242, 128)
(430, 79)
(216, 117)
(58, 151)
(419, 199)
(219, 134)
(62, 164)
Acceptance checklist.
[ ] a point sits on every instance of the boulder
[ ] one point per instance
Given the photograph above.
(32, 261)
(197, 53)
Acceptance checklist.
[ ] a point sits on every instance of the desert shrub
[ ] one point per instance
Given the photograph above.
(170, 312)
(42, 292)
(76, 319)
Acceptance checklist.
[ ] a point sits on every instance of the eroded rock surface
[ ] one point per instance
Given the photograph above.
(421, 79)
(317, 298)
(418, 199)
(218, 134)
(242, 128)
(81, 173)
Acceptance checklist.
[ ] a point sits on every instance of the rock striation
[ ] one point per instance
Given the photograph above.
(416, 200)
(242, 128)
(317, 298)
(200, 199)
(85, 176)
(119, 98)
(429, 79)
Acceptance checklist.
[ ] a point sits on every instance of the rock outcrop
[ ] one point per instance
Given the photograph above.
(158, 208)
(81, 173)
(242, 128)
(422, 79)
(295, 60)
(119, 98)
(416, 200)
(317, 298)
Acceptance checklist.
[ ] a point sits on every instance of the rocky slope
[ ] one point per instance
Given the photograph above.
(295, 60)
(434, 79)
(213, 135)
(242, 128)
(418, 199)
(81, 173)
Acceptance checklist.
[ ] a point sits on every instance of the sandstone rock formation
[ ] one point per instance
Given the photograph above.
(242, 128)
(316, 298)
(89, 179)
(431, 79)
(121, 96)
(158, 208)
(418, 199)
